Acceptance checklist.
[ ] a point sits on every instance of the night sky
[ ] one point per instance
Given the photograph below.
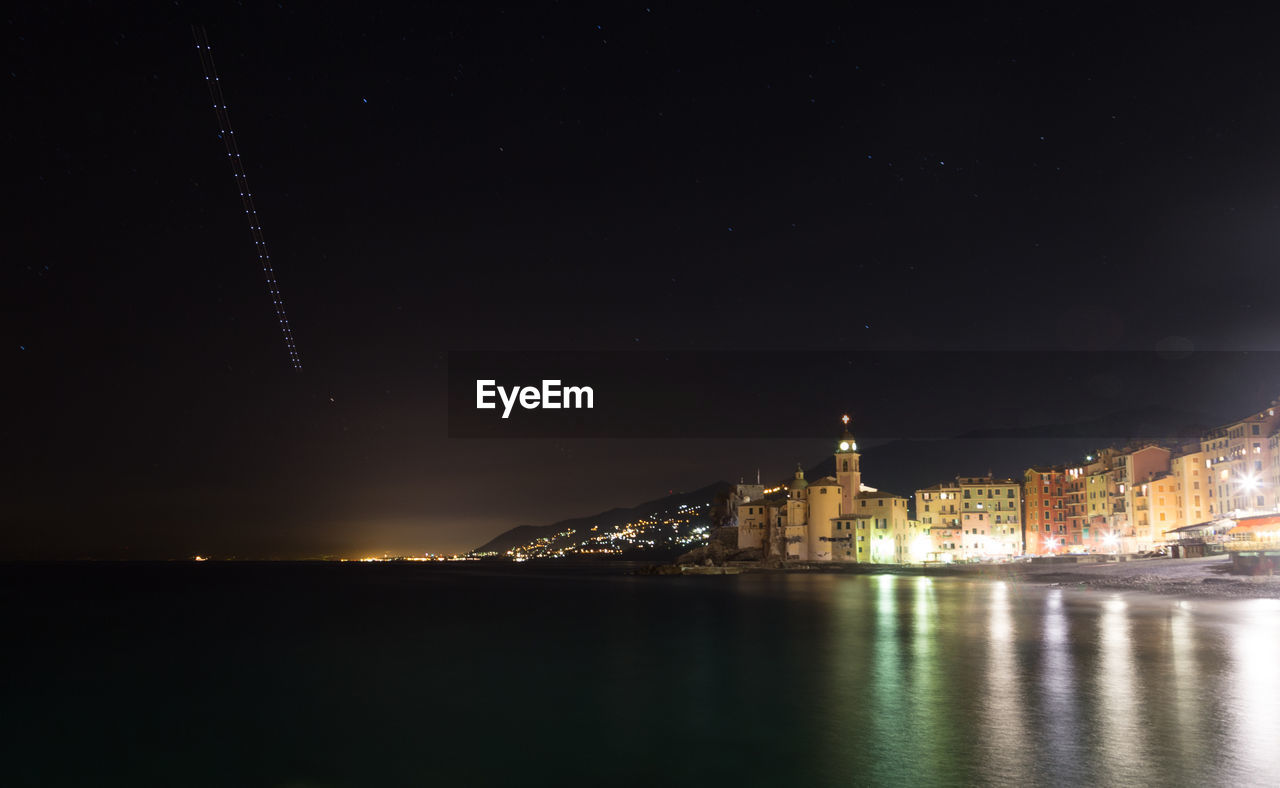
(547, 177)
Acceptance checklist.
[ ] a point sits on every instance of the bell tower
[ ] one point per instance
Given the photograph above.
(848, 470)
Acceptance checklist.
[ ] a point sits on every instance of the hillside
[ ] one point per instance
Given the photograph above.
(667, 521)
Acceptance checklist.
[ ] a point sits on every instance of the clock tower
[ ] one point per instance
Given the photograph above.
(848, 471)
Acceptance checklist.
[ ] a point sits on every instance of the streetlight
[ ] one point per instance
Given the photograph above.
(1248, 483)
(1112, 541)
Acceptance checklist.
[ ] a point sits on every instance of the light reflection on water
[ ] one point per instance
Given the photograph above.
(1003, 712)
(1254, 687)
(943, 680)
(1058, 733)
(1187, 707)
(1121, 738)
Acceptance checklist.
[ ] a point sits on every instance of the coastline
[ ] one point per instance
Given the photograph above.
(1199, 577)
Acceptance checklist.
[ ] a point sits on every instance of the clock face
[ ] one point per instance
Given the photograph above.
(844, 445)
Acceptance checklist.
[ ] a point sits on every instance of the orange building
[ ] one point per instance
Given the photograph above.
(1044, 500)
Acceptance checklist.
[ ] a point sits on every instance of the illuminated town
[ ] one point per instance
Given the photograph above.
(684, 526)
(1219, 493)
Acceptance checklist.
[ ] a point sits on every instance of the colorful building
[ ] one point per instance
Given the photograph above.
(1044, 497)
(941, 509)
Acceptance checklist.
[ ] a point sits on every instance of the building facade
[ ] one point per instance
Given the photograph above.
(1044, 496)
(941, 511)
(1239, 456)
(835, 518)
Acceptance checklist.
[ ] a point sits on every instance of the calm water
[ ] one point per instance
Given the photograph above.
(216, 674)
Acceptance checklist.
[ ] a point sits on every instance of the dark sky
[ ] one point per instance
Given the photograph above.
(548, 177)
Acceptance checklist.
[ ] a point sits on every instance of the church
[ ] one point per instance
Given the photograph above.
(829, 519)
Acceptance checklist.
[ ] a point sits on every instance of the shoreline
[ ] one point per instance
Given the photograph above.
(1200, 577)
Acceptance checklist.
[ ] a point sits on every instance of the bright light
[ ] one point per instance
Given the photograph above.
(919, 549)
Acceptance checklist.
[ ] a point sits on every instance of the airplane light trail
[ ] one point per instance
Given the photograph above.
(228, 137)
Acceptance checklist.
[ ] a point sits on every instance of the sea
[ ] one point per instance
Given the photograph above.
(358, 674)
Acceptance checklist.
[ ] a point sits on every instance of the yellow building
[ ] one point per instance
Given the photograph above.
(1156, 507)
(1097, 500)
(917, 546)
(876, 531)
(835, 518)
(942, 508)
(1193, 490)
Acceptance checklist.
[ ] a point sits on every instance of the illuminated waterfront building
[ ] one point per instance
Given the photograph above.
(942, 507)
(1044, 496)
(835, 518)
(1194, 492)
(1239, 456)
(938, 511)
(976, 536)
(1078, 530)
(1156, 506)
(876, 531)
(1129, 470)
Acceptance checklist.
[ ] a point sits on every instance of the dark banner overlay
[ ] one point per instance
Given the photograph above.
(888, 395)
